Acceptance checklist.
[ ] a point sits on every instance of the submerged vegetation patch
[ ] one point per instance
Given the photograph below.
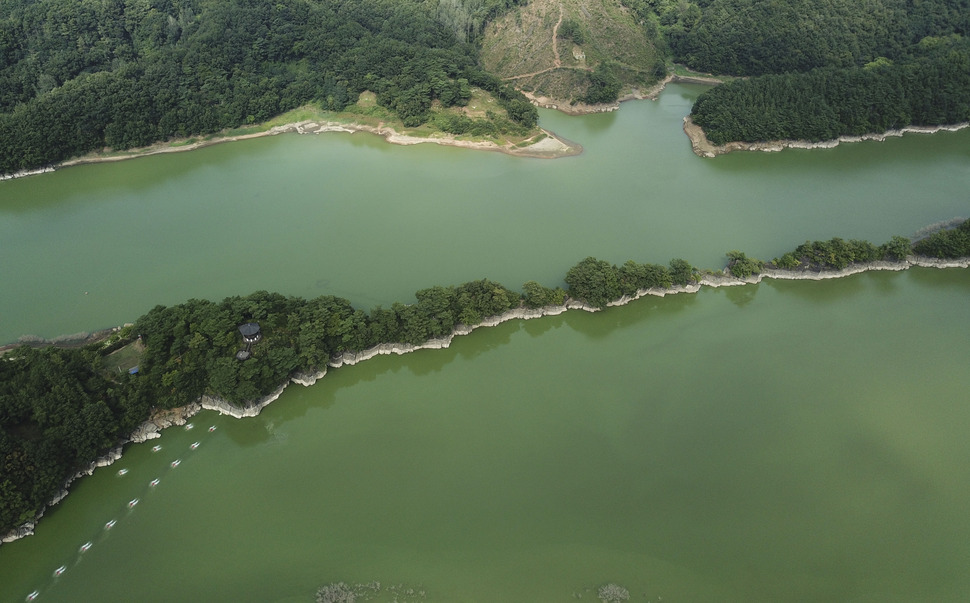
(341, 592)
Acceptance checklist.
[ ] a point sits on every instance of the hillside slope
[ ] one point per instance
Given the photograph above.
(561, 48)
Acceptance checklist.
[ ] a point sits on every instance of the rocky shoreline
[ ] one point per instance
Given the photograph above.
(23, 173)
(179, 416)
(549, 147)
(76, 340)
(705, 148)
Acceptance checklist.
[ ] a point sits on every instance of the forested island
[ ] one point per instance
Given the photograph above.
(61, 408)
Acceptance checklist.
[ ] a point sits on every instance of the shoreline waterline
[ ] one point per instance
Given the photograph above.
(652, 93)
(151, 428)
(549, 146)
(705, 148)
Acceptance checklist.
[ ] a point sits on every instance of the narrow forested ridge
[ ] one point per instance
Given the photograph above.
(61, 408)
(77, 76)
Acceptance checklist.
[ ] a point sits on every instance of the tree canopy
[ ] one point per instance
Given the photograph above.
(932, 88)
(80, 76)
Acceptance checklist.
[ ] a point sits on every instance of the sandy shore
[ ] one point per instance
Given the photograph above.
(705, 148)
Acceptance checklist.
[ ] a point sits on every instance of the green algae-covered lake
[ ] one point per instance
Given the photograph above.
(789, 441)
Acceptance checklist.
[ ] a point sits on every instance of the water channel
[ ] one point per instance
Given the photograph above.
(788, 441)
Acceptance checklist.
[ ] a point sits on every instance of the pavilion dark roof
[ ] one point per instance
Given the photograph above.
(250, 329)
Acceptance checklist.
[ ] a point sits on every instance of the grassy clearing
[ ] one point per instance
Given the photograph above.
(480, 103)
(365, 112)
(120, 361)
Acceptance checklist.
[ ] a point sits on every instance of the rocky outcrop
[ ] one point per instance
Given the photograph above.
(149, 430)
(250, 409)
(23, 531)
(23, 173)
(308, 379)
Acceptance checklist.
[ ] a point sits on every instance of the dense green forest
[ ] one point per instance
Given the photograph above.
(83, 75)
(467, 18)
(76, 76)
(932, 88)
(824, 68)
(749, 37)
(61, 408)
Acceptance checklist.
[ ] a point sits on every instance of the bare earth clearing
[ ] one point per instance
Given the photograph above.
(523, 47)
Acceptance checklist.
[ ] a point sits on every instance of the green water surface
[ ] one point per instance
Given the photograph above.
(785, 442)
(790, 441)
(349, 215)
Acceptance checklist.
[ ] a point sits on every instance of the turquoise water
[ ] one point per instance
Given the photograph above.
(789, 441)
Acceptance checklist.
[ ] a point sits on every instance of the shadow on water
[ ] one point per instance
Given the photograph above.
(595, 124)
(250, 431)
(93, 182)
(740, 296)
(841, 289)
(488, 339)
(539, 326)
(602, 324)
(940, 279)
(297, 400)
(824, 292)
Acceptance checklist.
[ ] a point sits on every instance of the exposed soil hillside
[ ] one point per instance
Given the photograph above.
(522, 47)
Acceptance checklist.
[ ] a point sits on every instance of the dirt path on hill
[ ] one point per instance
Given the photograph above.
(556, 61)
(555, 39)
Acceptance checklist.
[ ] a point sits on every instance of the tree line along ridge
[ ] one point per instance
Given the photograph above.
(62, 408)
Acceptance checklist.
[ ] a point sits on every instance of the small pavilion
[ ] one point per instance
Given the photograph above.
(250, 335)
(250, 332)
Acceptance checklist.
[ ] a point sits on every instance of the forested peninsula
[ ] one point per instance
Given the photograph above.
(63, 408)
(81, 76)
(818, 70)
